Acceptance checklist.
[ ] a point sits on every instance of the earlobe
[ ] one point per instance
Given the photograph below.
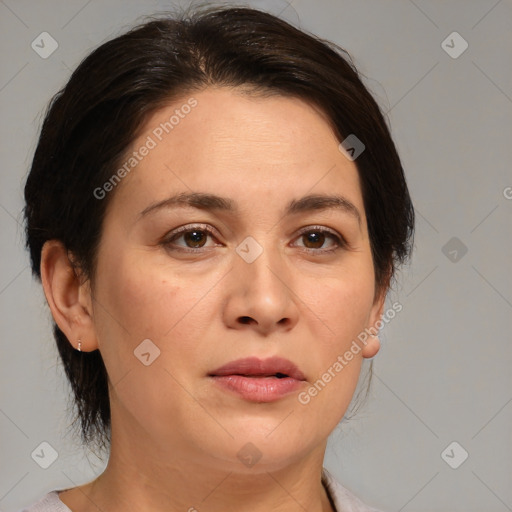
(372, 345)
(66, 296)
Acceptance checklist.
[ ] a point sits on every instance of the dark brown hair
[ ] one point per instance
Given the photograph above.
(91, 123)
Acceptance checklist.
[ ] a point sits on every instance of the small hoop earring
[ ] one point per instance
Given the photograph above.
(79, 346)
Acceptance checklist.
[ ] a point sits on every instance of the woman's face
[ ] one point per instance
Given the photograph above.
(168, 308)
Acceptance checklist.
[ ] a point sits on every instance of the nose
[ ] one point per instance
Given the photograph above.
(260, 295)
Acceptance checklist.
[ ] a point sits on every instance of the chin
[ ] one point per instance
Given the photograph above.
(254, 450)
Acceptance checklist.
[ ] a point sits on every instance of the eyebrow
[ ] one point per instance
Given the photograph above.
(212, 202)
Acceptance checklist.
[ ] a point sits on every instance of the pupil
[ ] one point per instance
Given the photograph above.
(195, 237)
(316, 238)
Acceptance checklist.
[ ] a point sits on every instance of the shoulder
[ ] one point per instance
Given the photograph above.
(48, 503)
(343, 499)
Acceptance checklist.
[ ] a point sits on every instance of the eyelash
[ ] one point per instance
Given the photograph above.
(177, 233)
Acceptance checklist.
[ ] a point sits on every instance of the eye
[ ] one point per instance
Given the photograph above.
(315, 237)
(194, 237)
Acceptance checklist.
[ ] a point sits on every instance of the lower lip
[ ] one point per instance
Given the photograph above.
(259, 389)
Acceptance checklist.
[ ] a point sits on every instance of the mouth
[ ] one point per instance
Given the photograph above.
(257, 380)
(276, 367)
(257, 376)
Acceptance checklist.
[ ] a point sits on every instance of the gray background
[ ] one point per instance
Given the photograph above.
(443, 373)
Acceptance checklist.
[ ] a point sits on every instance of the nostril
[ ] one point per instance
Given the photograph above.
(245, 319)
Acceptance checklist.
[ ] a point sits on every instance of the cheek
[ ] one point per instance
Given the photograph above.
(139, 298)
(343, 301)
(336, 359)
(140, 301)
(136, 301)
(342, 307)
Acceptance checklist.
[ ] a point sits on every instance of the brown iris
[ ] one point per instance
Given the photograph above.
(315, 238)
(195, 237)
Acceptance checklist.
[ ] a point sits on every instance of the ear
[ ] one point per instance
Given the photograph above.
(69, 300)
(372, 345)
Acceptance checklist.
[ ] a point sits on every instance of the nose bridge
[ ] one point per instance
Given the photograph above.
(262, 263)
(263, 291)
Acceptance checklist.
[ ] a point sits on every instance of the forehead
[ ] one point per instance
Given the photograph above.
(257, 150)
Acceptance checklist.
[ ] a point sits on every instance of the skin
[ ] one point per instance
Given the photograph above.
(175, 433)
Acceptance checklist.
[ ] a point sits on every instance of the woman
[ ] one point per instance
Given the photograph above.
(216, 211)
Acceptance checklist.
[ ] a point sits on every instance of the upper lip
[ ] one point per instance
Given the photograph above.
(263, 367)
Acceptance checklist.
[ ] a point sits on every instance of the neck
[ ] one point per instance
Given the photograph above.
(147, 477)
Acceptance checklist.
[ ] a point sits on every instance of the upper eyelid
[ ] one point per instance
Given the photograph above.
(320, 228)
(211, 229)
